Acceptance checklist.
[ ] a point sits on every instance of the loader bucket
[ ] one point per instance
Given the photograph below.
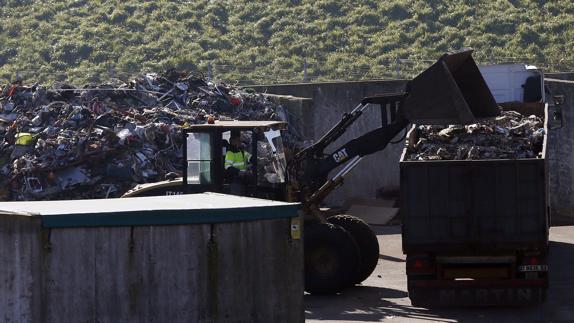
(451, 91)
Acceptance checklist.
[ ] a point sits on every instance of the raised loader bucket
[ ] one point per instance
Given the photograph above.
(451, 91)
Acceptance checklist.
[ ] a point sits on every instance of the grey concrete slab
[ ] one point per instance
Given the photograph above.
(383, 296)
(249, 271)
(560, 153)
(69, 277)
(19, 251)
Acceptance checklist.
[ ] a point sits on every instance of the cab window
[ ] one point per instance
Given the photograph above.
(199, 162)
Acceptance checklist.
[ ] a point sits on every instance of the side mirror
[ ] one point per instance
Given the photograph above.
(555, 112)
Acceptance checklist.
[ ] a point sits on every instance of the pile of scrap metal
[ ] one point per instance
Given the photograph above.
(98, 141)
(509, 136)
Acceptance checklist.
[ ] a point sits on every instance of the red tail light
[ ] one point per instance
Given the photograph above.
(419, 264)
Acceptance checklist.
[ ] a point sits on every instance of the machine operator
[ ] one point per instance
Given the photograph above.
(237, 164)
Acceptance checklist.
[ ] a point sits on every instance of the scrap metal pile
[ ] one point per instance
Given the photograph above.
(98, 141)
(509, 136)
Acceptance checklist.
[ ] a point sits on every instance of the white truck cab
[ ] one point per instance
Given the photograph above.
(523, 83)
(514, 82)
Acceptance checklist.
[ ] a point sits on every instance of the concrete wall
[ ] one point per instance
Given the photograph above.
(298, 110)
(329, 102)
(561, 153)
(560, 76)
(230, 272)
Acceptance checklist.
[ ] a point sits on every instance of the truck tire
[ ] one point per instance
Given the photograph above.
(331, 258)
(414, 294)
(366, 241)
(415, 299)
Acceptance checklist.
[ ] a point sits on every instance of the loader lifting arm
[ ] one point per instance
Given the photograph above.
(312, 165)
(451, 91)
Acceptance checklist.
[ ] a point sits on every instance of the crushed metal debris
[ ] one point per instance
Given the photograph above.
(98, 141)
(508, 136)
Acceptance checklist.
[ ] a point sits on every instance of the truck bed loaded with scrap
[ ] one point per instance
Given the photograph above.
(474, 209)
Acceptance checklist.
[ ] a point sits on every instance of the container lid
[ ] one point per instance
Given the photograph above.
(201, 208)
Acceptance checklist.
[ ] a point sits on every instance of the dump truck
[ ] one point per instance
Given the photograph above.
(340, 250)
(475, 232)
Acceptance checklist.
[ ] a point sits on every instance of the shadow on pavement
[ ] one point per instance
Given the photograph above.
(560, 299)
(369, 303)
(363, 303)
(559, 306)
(560, 302)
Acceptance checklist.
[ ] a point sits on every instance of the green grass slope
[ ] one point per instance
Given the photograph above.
(271, 40)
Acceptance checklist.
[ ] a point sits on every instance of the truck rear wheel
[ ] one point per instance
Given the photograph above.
(414, 293)
(331, 258)
(366, 241)
(415, 299)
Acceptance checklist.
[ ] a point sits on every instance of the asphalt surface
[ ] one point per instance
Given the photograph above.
(383, 296)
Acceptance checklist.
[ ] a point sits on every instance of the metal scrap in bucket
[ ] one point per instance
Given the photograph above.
(508, 136)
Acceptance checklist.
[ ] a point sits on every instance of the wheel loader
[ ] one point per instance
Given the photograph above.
(340, 250)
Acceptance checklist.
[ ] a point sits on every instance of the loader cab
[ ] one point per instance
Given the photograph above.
(206, 147)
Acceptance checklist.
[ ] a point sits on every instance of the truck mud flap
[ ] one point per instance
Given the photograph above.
(517, 293)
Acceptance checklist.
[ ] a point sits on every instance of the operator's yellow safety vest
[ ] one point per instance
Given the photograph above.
(24, 139)
(238, 160)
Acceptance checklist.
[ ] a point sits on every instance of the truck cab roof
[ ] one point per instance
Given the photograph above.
(514, 82)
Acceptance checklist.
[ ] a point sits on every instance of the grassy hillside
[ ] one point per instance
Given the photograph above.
(270, 40)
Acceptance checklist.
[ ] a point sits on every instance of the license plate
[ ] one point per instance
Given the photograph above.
(524, 268)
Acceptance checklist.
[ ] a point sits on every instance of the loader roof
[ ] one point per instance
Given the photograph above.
(240, 125)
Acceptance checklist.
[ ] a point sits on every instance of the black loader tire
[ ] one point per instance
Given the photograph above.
(366, 241)
(331, 258)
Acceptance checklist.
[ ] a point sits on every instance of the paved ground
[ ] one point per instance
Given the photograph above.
(383, 296)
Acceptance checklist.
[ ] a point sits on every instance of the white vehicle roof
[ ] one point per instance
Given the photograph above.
(506, 81)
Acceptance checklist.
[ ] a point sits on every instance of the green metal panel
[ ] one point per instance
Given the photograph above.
(167, 217)
(202, 208)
